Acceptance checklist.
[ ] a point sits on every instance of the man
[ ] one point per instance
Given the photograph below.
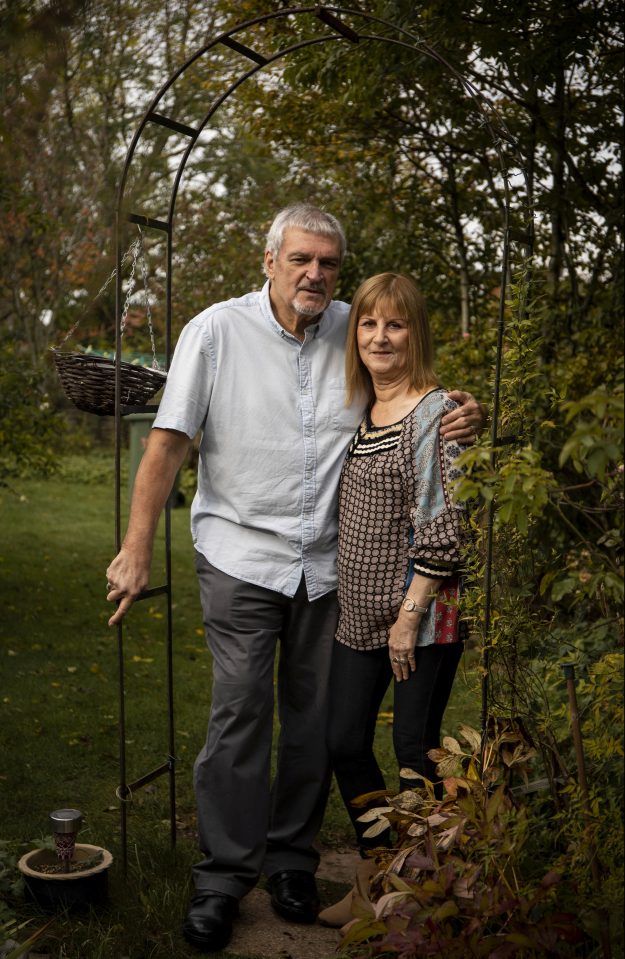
(262, 378)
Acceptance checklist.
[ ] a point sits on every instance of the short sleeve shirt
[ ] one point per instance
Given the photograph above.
(274, 430)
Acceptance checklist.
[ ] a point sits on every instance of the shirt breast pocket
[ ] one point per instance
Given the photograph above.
(343, 418)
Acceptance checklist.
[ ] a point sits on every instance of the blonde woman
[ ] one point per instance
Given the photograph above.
(398, 548)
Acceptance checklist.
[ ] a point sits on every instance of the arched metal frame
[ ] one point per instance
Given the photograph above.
(331, 20)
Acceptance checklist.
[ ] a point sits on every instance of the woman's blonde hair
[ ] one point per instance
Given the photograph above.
(398, 296)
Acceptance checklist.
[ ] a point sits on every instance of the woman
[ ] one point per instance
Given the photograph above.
(398, 554)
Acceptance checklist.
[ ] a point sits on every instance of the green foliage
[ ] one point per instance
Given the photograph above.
(596, 444)
(11, 883)
(29, 429)
(555, 499)
(11, 889)
(559, 485)
(188, 482)
(10, 929)
(597, 824)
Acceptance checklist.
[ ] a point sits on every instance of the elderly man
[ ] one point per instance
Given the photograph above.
(262, 378)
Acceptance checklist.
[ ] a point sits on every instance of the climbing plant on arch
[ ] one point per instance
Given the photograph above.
(236, 56)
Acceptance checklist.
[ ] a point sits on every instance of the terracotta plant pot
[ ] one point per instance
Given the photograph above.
(63, 890)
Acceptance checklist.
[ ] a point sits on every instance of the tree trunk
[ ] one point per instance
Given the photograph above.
(465, 280)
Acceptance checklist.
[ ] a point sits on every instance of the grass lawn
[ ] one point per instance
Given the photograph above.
(59, 709)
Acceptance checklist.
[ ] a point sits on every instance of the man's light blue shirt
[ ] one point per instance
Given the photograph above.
(275, 430)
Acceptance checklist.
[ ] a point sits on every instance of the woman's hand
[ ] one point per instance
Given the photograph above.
(402, 639)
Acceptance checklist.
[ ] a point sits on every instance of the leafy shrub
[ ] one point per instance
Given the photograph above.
(29, 429)
(463, 879)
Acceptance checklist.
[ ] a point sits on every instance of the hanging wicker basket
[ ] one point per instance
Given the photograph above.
(89, 382)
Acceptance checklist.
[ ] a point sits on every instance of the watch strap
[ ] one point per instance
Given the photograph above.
(411, 607)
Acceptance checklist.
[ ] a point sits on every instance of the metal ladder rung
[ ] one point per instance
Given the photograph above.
(149, 221)
(245, 51)
(173, 125)
(128, 788)
(146, 408)
(337, 25)
(153, 591)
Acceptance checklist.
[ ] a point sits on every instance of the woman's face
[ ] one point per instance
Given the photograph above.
(383, 343)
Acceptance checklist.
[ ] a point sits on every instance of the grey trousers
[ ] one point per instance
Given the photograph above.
(247, 824)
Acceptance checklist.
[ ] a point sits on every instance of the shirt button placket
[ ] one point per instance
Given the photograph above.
(308, 485)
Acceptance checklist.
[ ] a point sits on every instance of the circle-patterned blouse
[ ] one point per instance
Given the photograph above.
(397, 518)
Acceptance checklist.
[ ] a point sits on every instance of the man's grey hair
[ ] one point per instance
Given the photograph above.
(304, 216)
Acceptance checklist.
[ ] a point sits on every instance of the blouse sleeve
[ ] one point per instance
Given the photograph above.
(437, 522)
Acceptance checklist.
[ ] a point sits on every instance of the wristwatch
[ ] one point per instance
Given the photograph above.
(411, 607)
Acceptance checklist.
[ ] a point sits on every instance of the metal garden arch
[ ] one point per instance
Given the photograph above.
(362, 27)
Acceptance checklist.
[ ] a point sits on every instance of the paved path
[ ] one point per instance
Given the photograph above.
(260, 932)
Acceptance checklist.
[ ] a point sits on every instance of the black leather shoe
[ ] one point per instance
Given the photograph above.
(294, 895)
(208, 925)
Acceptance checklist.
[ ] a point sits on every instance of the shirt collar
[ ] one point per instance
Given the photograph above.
(267, 311)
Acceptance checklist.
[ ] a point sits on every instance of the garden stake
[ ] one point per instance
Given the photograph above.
(569, 675)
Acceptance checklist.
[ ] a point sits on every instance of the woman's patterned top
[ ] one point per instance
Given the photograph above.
(396, 518)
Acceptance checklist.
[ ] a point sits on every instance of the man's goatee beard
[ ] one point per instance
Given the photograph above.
(308, 310)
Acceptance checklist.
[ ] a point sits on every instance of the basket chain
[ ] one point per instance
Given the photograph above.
(136, 251)
(148, 311)
(131, 285)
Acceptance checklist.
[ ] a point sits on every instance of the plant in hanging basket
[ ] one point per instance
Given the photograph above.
(89, 381)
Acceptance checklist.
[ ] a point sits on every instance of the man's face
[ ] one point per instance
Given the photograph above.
(303, 275)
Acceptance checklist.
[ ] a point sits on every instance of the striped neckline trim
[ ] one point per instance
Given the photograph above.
(375, 439)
